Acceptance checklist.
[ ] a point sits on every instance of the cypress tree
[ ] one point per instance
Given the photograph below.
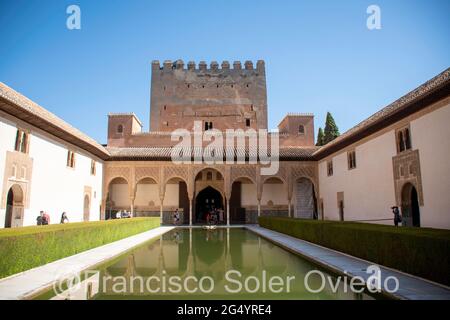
(320, 137)
(331, 129)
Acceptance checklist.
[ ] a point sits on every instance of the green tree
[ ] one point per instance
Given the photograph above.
(331, 129)
(320, 137)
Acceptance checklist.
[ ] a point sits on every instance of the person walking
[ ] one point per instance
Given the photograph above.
(176, 217)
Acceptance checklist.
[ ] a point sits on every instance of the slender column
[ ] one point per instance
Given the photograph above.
(259, 207)
(228, 212)
(161, 209)
(132, 206)
(289, 209)
(190, 211)
(103, 210)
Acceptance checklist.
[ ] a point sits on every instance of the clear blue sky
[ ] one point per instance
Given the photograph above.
(319, 55)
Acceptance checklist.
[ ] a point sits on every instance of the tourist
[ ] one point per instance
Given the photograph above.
(397, 216)
(45, 219)
(119, 214)
(64, 218)
(39, 218)
(176, 217)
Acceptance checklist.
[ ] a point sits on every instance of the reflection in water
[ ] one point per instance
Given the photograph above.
(201, 253)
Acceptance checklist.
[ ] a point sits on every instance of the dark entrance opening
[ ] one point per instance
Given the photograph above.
(207, 200)
(415, 208)
(237, 213)
(410, 206)
(9, 209)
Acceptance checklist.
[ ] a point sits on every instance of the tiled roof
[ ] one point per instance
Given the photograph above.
(164, 153)
(389, 114)
(23, 108)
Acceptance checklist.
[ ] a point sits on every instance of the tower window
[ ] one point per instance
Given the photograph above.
(120, 128)
(208, 125)
(301, 129)
(247, 122)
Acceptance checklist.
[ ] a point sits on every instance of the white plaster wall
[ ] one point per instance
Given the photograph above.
(430, 135)
(8, 132)
(171, 196)
(146, 193)
(274, 192)
(368, 189)
(248, 194)
(53, 187)
(120, 195)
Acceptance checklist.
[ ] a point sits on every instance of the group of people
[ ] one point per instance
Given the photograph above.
(214, 216)
(123, 214)
(43, 218)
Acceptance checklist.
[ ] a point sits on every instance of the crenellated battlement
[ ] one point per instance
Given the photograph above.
(169, 65)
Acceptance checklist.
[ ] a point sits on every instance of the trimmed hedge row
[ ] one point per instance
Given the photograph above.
(423, 252)
(28, 247)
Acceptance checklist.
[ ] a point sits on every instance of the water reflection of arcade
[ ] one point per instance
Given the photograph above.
(211, 253)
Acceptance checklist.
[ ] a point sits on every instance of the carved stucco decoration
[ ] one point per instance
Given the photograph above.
(406, 166)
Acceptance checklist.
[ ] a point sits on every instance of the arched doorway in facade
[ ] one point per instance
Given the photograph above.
(305, 204)
(86, 208)
(243, 201)
(410, 206)
(14, 207)
(207, 200)
(118, 197)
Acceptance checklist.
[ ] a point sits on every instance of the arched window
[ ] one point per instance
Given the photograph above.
(301, 129)
(407, 139)
(21, 141)
(120, 128)
(401, 142)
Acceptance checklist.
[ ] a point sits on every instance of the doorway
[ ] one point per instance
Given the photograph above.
(410, 206)
(14, 207)
(207, 200)
(86, 208)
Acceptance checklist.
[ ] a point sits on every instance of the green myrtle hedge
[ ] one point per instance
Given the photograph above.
(424, 252)
(28, 247)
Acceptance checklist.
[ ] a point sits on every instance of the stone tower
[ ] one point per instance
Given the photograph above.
(222, 97)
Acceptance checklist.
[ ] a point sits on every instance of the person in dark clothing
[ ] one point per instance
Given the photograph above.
(397, 216)
(64, 218)
(39, 219)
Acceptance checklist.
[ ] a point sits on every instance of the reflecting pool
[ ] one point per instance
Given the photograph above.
(197, 263)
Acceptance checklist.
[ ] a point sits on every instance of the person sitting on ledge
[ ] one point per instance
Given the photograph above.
(64, 218)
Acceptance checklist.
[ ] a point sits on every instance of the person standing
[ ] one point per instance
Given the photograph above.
(397, 216)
